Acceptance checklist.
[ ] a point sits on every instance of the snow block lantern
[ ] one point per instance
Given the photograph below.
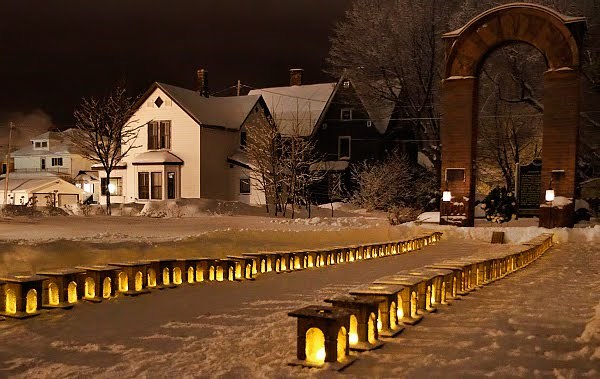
(132, 277)
(411, 300)
(99, 282)
(188, 270)
(225, 270)
(362, 334)
(264, 260)
(206, 270)
(62, 287)
(22, 295)
(166, 273)
(387, 296)
(322, 338)
(437, 281)
(245, 267)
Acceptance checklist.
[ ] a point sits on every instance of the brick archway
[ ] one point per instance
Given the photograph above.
(558, 38)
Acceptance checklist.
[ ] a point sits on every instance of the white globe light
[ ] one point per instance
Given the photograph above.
(549, 195)
(446, 196)
(112, 188)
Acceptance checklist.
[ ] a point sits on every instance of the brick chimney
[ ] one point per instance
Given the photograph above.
(202, 82)
(296, 76)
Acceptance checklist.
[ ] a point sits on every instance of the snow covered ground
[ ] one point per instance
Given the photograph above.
(537, 322)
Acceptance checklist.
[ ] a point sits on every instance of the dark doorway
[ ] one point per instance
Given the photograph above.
(170, 185)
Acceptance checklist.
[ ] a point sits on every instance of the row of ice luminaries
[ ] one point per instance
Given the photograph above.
(24, 295)
(383, 308)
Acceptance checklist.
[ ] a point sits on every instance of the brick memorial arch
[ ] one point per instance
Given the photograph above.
(558, 38)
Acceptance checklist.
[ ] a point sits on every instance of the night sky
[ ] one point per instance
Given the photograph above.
(54, 52)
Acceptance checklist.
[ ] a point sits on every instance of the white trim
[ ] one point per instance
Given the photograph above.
(342, 114)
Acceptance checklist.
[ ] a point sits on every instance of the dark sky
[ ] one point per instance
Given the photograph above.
(54, 52)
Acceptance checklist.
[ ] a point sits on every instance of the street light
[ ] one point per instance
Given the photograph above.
(446, 198)
(550, 198)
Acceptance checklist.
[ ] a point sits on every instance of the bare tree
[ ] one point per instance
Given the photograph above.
(263, 149)
(105, 132)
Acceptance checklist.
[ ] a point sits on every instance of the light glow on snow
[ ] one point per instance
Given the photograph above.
(315, 346)
(31, 302)
(353, 333)
(52, 293)
(10, 301)
(72, 293)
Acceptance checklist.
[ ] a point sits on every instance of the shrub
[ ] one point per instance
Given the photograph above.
(500, 205)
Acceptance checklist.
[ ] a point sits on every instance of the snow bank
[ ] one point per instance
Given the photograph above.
(591, 333)
(432, 217)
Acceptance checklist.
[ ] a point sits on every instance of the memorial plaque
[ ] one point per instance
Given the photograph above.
(530, 188)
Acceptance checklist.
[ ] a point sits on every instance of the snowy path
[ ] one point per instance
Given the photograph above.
(526, 325)
(212, 329)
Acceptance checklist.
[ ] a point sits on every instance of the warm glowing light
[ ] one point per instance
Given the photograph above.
(550, 195)
(393, 315)
(211, 273)
(106, 288)
(371, 329)
(53, 298)
(90, 288)
(413, 304)
(263, 267)
(443, 294)
(231, 278)
(31, 301)
(379, 323)
(199, 274)
(248, 271)
(123, 282)
(220, 273)
(353, 333)
(399, 311)
(269, 265)
(315, 346)
(177, 277)
(166, 277)
(341, 344)
(283, 265)
(433, 299)
(138, 281)
(310, 261)
(446, 196)
(238, 269)
(72, 293)
(87, 187)
(112, 188)
(190, 275)
(10, 305)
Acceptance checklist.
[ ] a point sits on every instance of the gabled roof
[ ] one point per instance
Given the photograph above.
(297, 109)
(58, 144)
(29, 184)
(224, 112)
(160, 157)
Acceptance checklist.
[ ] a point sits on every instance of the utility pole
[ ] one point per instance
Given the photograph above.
(239, 87)
(10, 129)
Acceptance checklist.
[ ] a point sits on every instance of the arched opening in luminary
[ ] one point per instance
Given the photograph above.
(315, 346)
(413, 304)
(199, 273)
(211, 273)
(139, 281)
(353, 333)
(238, 270)
(393, 315)
(400, 310)
(342, 344)
(166, 277)
(123, 282)
(190, 275)
(53, 296)
(89, 288)
(106, 288)
(231, 276)
(177, 276)
(72, 292)
(151, 277)
(220, 273)
(249, 271)
(371, 328)
(31, 301)
(10, 301)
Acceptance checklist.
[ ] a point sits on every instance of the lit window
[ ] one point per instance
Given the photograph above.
(244, 186)
(346, 84)
(115, 187)
(346, 114)
(57, 161)
(344, 143)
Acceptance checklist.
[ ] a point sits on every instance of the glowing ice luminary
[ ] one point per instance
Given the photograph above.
(362, 334)
(322, 337)
(22, 295)
(132, 277)
(63, 287)
(387, 296)
(99, 282)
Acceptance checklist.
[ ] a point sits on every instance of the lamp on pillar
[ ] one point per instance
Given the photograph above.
(446, 197)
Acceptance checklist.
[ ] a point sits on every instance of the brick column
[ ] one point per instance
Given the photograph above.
(459, 139)
(562, 98)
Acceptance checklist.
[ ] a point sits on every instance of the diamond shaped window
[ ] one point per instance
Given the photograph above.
(158, 102)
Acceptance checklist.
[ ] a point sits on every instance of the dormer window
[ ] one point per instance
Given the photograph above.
(346, 114)
(346, 84)
(159, 135)
(40, 145)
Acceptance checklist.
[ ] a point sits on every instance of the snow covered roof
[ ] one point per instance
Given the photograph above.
(228, 112)
(58, 144)
(329, 166)
(297, 109)
(157, 157)
(379, 110)
(29, 185)
(240, 159)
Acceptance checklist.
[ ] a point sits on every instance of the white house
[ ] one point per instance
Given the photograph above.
(184, 148)
(50, 154)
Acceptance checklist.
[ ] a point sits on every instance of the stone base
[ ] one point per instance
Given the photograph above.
(332, 366)
(93, 299)
(551, 217)
(431, 310)
(391, 333)
(59, 306)
(366, 346)
(135, 293)
(411, 320)
(20, 315)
